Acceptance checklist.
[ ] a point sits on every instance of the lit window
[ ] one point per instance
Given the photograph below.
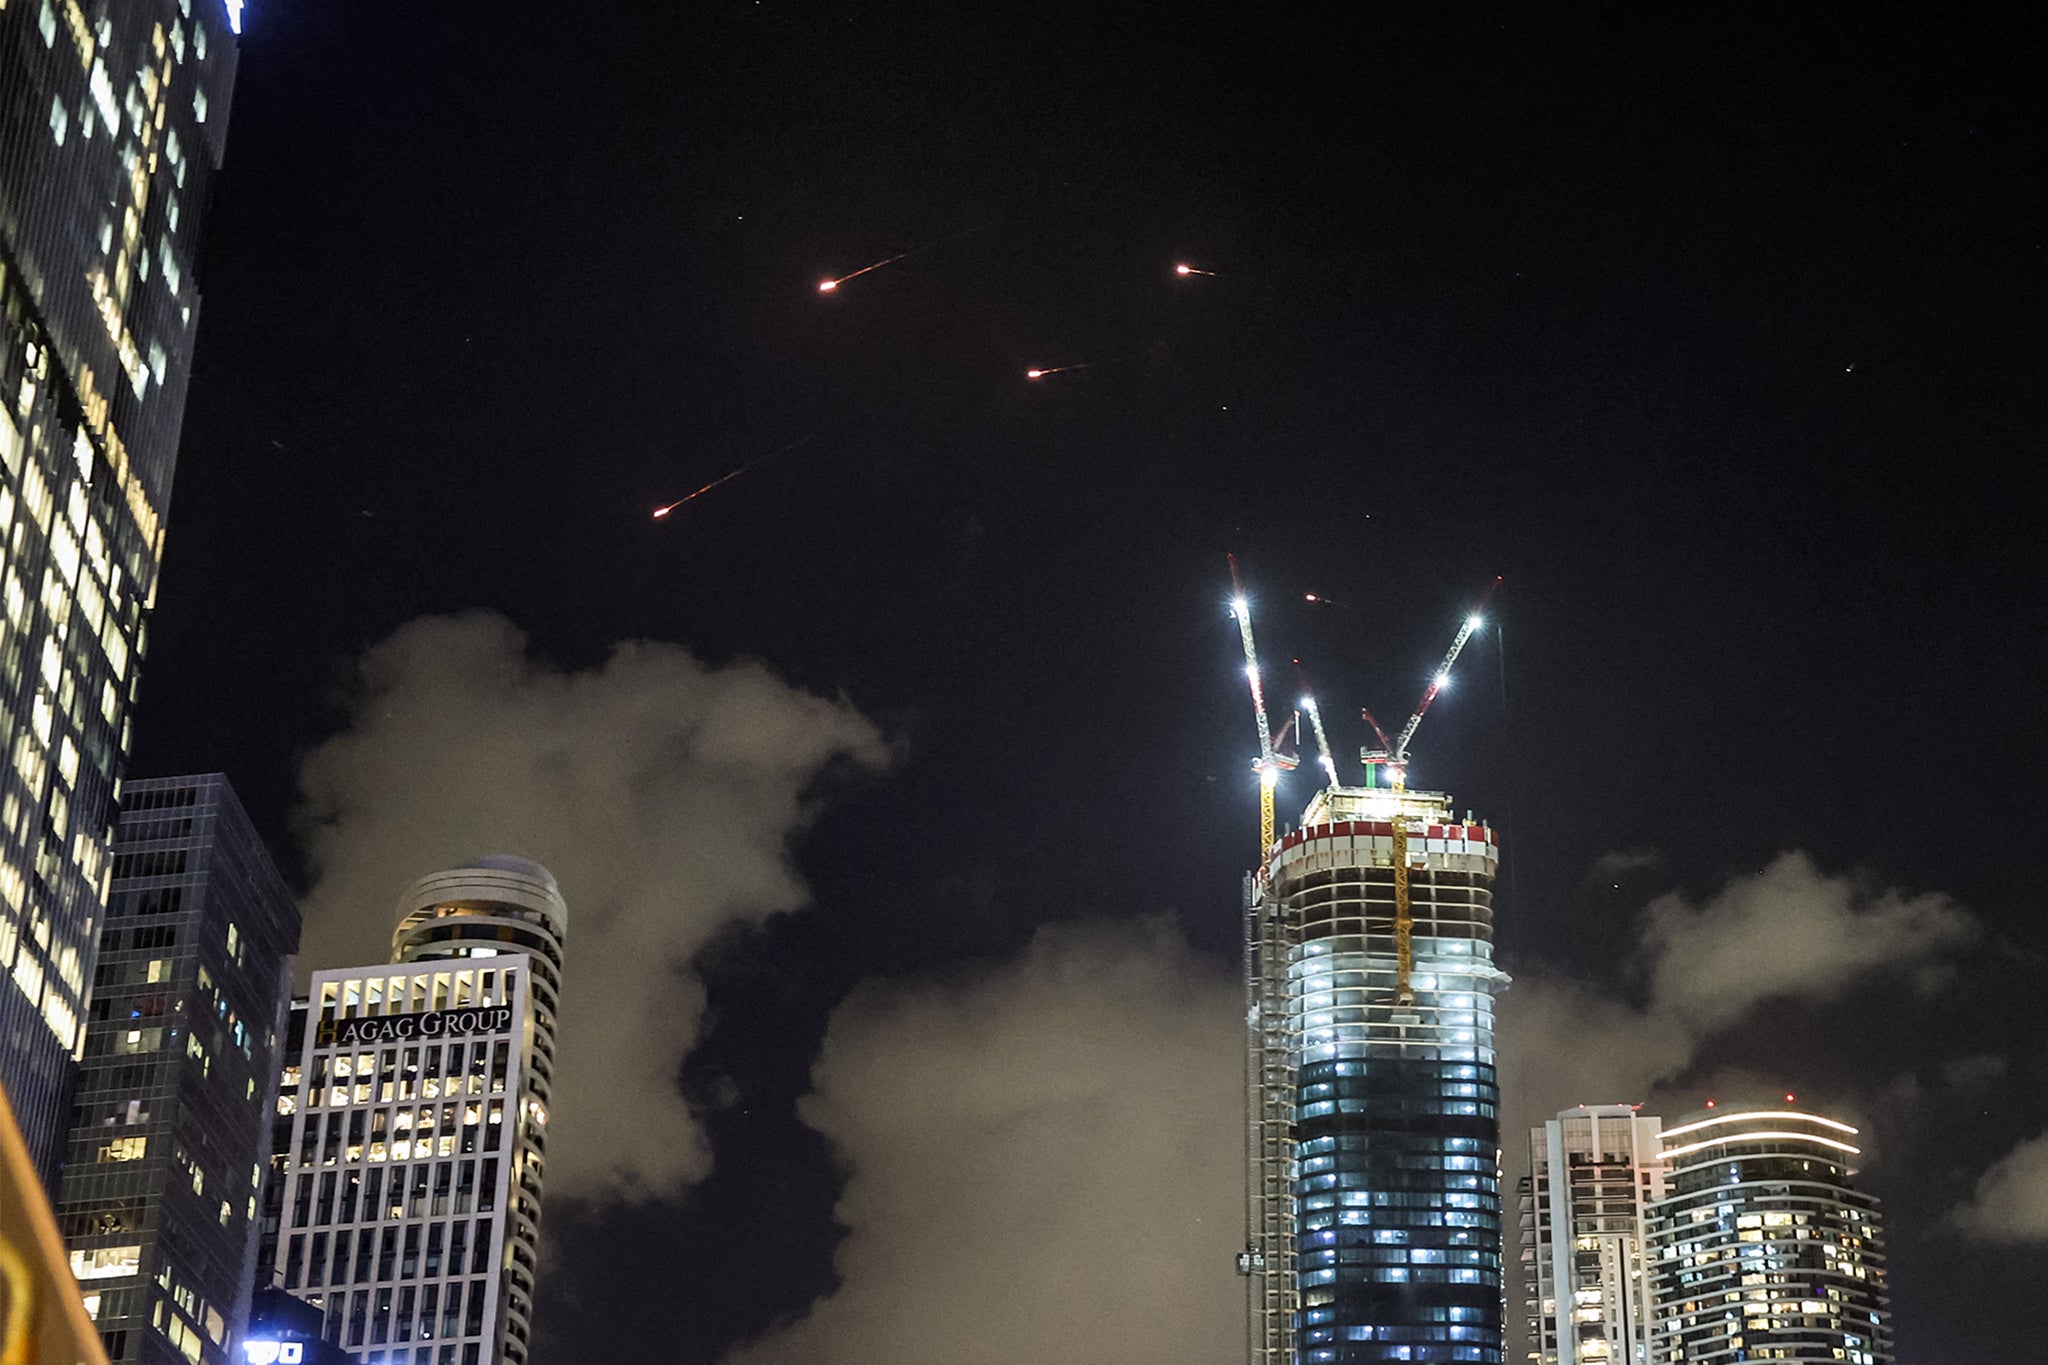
(60, 121)
(106, 1263)
(125, 1149)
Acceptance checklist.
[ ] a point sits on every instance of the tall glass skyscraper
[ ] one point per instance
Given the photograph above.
(411, 1212)
(112, 121)
(172, 1129)
(1375, 1217)
(1765, 1249)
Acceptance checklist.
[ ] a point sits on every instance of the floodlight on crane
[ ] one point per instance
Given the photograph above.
(1393, 759)
(1269, 764)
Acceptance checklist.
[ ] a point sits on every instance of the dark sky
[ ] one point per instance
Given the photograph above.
(1719, 340)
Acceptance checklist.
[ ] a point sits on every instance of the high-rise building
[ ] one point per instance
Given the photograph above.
(1764, 1249)
(271, 1213)
(1374, 1213)
(171, 1135)
(411, 1211)
(1594, 1171)
(112, 123)
(41, 1318)
(284, 1330)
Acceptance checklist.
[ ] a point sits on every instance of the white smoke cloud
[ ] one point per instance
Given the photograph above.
(1044, 1162)
(662, 794)
(1790, 931)
(1787, 932)
(1621, 861)
(2011, 1200)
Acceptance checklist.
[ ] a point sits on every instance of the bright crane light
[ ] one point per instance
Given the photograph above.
(1474, 621)
(1239, 606)
(1443, 680)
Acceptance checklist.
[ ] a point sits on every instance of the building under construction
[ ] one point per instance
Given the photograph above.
(1373, 1134)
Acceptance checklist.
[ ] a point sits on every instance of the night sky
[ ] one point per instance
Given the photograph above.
(1721, 342)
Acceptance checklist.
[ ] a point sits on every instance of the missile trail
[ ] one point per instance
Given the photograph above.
(661, 512)
(827, 286)
(1052, 369)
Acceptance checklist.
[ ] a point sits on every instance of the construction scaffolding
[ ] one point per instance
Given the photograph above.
(1371, 1101)
(1272, 1295)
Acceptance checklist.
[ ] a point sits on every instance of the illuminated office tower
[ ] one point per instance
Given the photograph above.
(411, 1212)
(170, 1134)
(1764, 1249)
(112, 122)
(1374, 1224)
(1594, 1171)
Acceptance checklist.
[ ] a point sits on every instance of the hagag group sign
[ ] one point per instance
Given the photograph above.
(409, 1028)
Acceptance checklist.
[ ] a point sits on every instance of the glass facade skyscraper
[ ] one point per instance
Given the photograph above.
(1375, 1216)
(112, 123)
(171, 1130)
(413, 1171)
(1764, 1249)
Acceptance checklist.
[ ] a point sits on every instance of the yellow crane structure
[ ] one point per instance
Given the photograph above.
(1394, 758)
(1391, 758)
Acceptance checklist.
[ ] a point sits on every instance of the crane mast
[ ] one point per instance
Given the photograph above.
(1397, 771)
(1443, 673)
(1269, 765)
(1315, 721)
(1392, 757)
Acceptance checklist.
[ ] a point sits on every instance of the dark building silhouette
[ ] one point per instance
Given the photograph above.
(178, 1084)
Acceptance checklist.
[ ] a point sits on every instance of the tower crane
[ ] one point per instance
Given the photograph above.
(1315, 721)
(1395, 759)
(1269, 764)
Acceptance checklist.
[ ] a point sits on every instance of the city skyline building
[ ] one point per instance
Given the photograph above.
(1763, 1249)
(112, 126)
(413, 1173)
(1374, 1212)
(1594, 1172)
(284, 1330)
(170, 1136)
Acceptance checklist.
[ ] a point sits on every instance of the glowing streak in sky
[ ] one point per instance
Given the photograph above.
(828, 286)
(661, 512)
(1184, 270)
(1052, 369)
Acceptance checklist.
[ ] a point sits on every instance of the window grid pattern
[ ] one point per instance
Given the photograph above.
(105, 162)
(1391, 1151)
(400, 1165)
(1765, 1250)
(161, 1184)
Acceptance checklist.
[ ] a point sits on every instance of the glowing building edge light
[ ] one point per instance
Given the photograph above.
(1792, 1115)
(1729, 1139)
